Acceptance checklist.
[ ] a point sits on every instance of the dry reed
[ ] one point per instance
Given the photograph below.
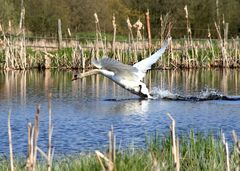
(225, 143)
(107, 163)
(175, 144)
(10, 142)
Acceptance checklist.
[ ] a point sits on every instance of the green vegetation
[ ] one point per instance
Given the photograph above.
(197, 152)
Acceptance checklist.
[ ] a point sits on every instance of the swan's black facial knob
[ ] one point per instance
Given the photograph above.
(75, 77)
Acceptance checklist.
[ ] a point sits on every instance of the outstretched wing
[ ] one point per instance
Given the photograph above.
(123, 71)
(146, 64)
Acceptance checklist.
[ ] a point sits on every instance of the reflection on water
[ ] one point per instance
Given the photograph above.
(84, 110)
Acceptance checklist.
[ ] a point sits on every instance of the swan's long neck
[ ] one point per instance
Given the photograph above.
(91, 72)
(85, 74)
(107, 73)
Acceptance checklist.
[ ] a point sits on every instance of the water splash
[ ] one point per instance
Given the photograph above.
(157, 93)
(206, 94)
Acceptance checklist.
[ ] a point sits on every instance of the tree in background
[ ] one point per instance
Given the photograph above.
(41, 16)
(8, 14)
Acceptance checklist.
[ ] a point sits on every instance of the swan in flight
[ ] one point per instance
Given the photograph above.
(127, 76)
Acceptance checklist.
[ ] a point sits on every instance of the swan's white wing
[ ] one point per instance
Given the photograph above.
(122, 71)
(146, 64)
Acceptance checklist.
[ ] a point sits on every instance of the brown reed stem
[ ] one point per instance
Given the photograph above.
(226, 152)
(147, 17)
(112, 142)
(50, 130)
(175, 145)
(131, 43)
(23, 61)
(223, 48)
(98, 33)
(35, 136)
(111, 154)
(10, 142)
(30, 147)
(155, 164)
(114, 35)
(99, 156)
(59, 34)
(189, 38)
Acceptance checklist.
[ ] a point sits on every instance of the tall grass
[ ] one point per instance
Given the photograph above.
(197, 152)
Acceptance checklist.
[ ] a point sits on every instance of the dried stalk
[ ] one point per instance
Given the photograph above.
(175, 145)
(29, 163)
(32, 142)
(98, 33)
(147, 17)
(101, 156)
(111, 155)
(114, 35)
(189, 38)
(112, 144)
(227, 152)
(10, 142)
(35, 136)
(23, 60)
(50, 131)
(59, 34)
(131, 43)
(211, 44)
(223, 48)
(155, 163)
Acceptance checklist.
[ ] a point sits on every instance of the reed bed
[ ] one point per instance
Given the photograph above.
(17, 52)
(205, 53)
(193, 151)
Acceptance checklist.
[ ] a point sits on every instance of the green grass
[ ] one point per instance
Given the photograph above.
(197, 152)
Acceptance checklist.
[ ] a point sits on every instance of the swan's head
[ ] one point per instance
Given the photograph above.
(141, 91)
(75, 77)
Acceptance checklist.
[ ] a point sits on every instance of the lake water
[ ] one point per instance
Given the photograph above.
(84, 110)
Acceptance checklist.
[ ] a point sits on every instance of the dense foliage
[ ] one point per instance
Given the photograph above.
(41, 16)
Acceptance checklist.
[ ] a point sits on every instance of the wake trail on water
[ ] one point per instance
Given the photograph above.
(204, 95)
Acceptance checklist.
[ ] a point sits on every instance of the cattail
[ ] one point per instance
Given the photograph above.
(129, 24)
(186, 11)
(96, 18)
(138, 25)
(69, 32)
(9, 26)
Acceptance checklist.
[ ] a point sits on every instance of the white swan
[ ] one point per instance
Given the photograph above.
(127, 76)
